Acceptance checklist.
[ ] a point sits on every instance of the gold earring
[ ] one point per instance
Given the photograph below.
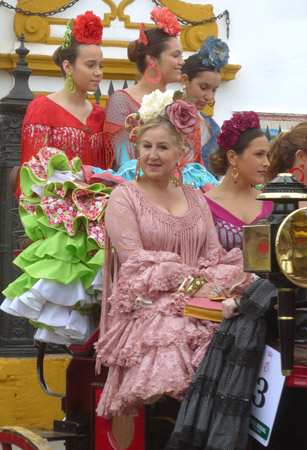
(234, 174)
(70, 85)
(137, 170)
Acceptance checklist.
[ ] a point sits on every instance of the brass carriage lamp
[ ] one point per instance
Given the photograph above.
(276, 247)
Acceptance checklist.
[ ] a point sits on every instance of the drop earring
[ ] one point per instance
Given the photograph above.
(234, 174)
(149, 78)
(300, 169)
(70, 85)
(137, 170)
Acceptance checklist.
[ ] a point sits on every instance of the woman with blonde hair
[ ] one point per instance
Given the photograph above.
(166, 251)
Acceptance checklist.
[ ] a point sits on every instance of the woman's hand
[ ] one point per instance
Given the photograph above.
(229, 308)
(208, 288)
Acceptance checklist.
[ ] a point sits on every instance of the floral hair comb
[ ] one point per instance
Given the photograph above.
(182, 113)
(86, 28)
(214, 53)
(142, 38)
(166, 20)
(231, 129)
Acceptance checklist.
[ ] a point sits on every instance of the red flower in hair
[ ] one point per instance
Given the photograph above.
(231, 129)
(142, 38)
(252, 119)
(239, 122)
(227, 138)
(166, 20)
(227, 125)
(87, 28)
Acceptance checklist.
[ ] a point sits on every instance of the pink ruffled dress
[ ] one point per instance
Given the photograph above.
(149, 346)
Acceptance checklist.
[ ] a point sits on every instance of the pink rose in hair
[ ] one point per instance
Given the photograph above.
(183, 116)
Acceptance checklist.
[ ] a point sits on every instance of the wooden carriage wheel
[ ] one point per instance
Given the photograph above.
(22, 438)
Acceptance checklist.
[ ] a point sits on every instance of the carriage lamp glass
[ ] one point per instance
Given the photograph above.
(291, 247)
(256, 248)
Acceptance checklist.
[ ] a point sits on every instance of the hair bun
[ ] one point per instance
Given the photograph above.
(132, 51)
(56, 57)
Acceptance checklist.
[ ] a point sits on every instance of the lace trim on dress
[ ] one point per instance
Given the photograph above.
(180, 224)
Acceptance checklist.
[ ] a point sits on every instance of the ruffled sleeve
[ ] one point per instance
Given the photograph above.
(122, 225)
(144, 275)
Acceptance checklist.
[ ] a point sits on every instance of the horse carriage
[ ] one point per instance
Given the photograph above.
(82, 429)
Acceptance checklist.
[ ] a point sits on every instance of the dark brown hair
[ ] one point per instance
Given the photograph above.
(157, 42)
(284, 148)
(193, 67)
(70, 54)
(218, 161)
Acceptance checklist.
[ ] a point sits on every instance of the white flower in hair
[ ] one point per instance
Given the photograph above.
(154, 104)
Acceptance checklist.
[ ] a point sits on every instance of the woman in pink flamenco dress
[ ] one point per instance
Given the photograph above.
(162, 232)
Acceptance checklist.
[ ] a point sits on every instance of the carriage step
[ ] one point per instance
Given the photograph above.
(59, 436)
(68, 426)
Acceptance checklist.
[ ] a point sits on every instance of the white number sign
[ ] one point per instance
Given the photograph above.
(266, 396)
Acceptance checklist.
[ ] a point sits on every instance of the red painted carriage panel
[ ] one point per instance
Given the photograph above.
(102, 434)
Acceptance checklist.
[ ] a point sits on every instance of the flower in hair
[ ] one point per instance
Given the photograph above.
(182, 113)
(87, 28)
(154, 104)
(214, 53)
(228, 138)
(142, 38)
(67, 36)
(231, 129)
(166, 20)
(183, 116)
(252, 119)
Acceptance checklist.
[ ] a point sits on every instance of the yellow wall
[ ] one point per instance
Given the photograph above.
(22, 401)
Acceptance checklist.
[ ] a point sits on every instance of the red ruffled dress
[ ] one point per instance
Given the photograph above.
(61, 283)
(47, 124)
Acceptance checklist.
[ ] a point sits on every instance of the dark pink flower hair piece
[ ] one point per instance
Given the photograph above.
(231, 129)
